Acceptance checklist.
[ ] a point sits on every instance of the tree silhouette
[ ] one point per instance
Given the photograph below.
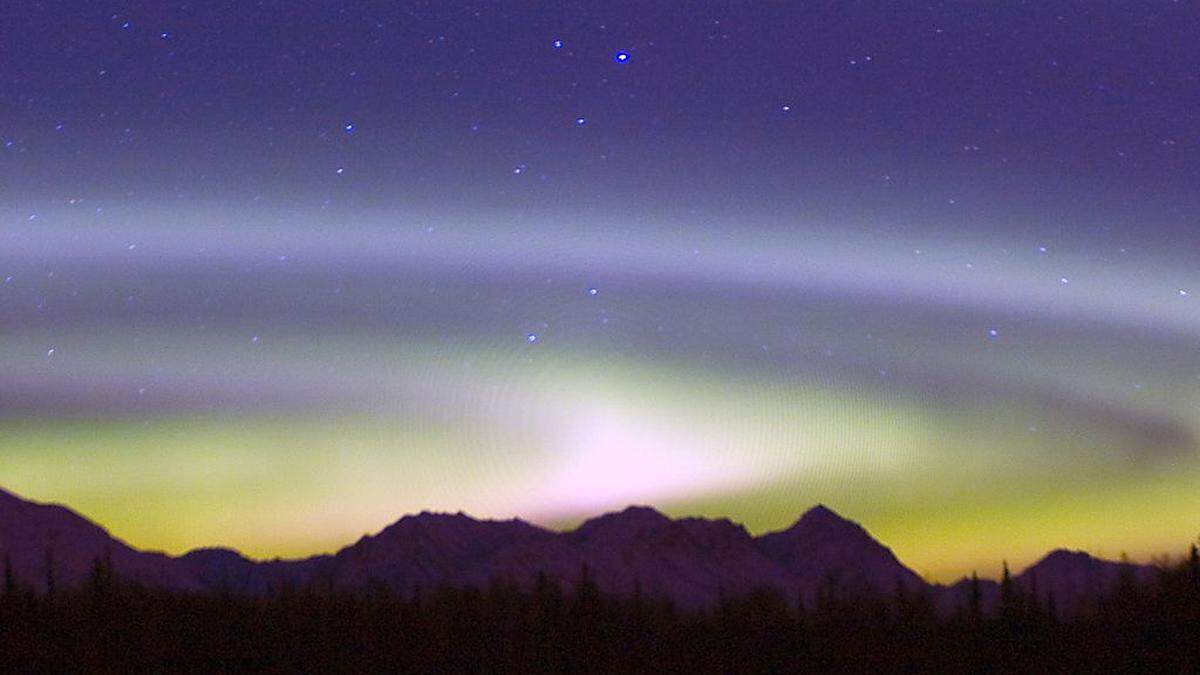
(100, 581)
(975, 600)
(50, 577)
(1194, 568)
(1008, 594)
(107, 624)
(10, 579)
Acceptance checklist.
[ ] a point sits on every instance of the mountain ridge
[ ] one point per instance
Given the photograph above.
(694, 561)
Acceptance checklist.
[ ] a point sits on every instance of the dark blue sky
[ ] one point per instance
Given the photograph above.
(1060, 108)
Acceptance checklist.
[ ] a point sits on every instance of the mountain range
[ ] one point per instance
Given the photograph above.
(693, 561)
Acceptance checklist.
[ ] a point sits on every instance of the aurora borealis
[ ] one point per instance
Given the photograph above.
(271, 279)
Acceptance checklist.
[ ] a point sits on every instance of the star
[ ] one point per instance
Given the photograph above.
(621, 57)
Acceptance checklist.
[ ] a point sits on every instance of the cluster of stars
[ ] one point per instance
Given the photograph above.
(620, 56)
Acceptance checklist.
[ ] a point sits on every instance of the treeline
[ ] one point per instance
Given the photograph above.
(111, 626)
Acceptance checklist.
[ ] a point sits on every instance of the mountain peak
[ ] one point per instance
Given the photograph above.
(436, 517)
(823, 545)
(819, 523)
(625, 523)
(1060, 555)
(822, 519)
(821, 514)
(641, 511)
(630, 514)
(446, 521)
(1062, 561)
(214, 554)
(1074, 577)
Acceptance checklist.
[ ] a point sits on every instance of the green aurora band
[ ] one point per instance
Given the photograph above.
(286, 404)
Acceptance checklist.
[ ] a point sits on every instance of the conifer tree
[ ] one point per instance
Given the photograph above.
(1035, 603)
(50, 580)
(100, 581)
(1194, 568)
(10, 578)
(975, 601)
(1008, 596)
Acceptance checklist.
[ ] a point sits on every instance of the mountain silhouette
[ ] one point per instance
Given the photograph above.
(693, 561)
(225, 570)
(1071, 577)
(48, 544)
(824, 549)
(427, 550)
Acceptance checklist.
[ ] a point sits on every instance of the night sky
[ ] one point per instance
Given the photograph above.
(273, 274)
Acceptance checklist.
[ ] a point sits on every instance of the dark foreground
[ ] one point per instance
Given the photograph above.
(114, 627)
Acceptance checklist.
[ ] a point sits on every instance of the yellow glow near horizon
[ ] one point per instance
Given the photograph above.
(950, 488)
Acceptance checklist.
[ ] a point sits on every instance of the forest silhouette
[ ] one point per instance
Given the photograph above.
(112, 625)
